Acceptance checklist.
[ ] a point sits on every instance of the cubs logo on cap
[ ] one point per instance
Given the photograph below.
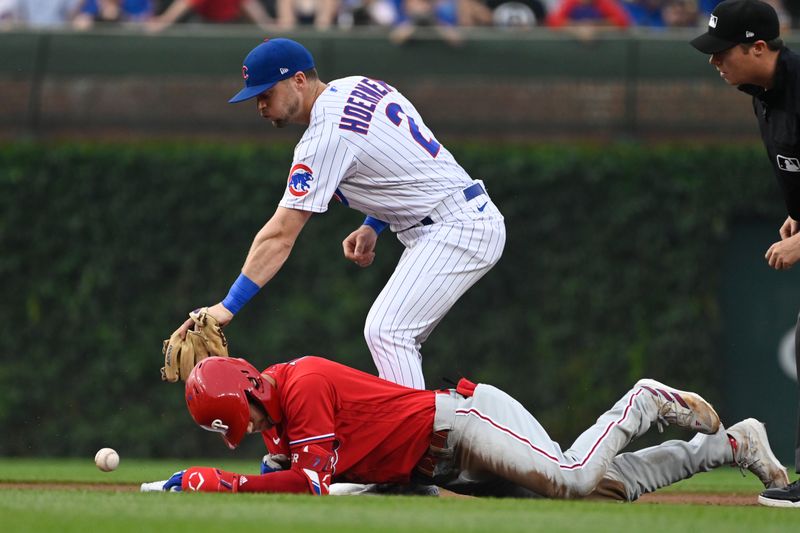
(300, 178)
(268, 63)
(738, 22)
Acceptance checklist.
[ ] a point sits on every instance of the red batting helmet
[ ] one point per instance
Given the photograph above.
(217, 394)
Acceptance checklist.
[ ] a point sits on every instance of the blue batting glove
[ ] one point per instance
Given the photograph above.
(273, 463)
(174, 483)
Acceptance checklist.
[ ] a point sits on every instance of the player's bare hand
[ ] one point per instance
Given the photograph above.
(359, 246)
(784, 254)
(218, 311)
(790, 227)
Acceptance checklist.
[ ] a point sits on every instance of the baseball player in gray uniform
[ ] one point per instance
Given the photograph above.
(367, 147)
(338, 424)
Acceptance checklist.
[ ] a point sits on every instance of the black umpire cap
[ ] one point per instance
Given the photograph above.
(738, 22)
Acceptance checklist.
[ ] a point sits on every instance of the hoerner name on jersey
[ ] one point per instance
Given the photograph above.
(363, 100)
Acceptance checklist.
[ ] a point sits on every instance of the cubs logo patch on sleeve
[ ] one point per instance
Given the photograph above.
(300, 180)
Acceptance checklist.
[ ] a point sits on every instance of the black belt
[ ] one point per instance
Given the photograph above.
(473, 191)
(427, 465)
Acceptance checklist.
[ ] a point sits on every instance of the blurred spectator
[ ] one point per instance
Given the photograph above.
(517, 13)
(793, 8)
(646, 13)
(319, 13)
(9, 14)
(47, 13)
(216, 11)
(111, 11)
(520, 14)
(588, 13)
(366, 13)
(442, 15)
(784, 17)
(707, 6)
(681, 13)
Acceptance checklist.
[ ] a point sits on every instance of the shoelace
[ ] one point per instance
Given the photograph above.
(671, 408)
(744, 465)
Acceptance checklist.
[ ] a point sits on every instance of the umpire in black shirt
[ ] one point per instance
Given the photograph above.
(744, 45)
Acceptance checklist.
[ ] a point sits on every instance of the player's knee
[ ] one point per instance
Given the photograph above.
(584, 483)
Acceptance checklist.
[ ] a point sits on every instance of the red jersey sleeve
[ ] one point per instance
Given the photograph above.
(275, 440)
(310, 411)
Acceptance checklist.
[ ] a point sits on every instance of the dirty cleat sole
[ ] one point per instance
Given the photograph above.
(684, 409)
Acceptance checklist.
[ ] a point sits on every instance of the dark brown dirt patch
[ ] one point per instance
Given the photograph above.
(700, 498)
(109, 487)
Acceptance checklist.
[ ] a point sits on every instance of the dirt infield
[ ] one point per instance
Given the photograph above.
(690, 498)
(700, 498)
(108, 487)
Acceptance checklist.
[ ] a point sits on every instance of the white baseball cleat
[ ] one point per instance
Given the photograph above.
(751, 451)
(684, 409)
(153, 486)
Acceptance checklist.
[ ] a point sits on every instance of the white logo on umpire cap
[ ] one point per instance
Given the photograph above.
(284, 70)
(748, 34)
(788, 164)
(712, 22)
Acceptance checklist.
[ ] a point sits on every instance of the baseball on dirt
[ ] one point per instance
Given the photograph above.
(106, 459)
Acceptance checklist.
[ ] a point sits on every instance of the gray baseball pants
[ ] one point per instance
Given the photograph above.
(491, 436)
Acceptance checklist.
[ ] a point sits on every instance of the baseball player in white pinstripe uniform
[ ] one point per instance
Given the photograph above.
(367, 147)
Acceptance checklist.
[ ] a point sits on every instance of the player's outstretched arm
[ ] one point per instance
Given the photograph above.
(269, 251)
(209, 479)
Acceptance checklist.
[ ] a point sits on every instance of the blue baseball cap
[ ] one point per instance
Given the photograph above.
(268, 63)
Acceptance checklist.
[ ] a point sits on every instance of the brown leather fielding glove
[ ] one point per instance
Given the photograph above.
(205, 339)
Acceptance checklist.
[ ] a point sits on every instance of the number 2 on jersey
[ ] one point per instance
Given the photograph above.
(396, 114)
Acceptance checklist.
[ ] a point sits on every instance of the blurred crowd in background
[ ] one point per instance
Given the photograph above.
(399, 17)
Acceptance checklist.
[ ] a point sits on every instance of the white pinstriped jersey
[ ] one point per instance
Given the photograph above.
(366, 146)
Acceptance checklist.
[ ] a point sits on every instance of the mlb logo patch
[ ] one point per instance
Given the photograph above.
(788, 164)
(300, 178)
(712, 22)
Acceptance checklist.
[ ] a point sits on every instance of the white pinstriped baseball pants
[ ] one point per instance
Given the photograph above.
(493, 435)
(440, 263)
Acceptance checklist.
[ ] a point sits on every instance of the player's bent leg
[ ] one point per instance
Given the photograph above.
(744, 445)
(435, 270)
(751, 451)
(684, 409)
(499, 436)
(648, 402)
(635, 473)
